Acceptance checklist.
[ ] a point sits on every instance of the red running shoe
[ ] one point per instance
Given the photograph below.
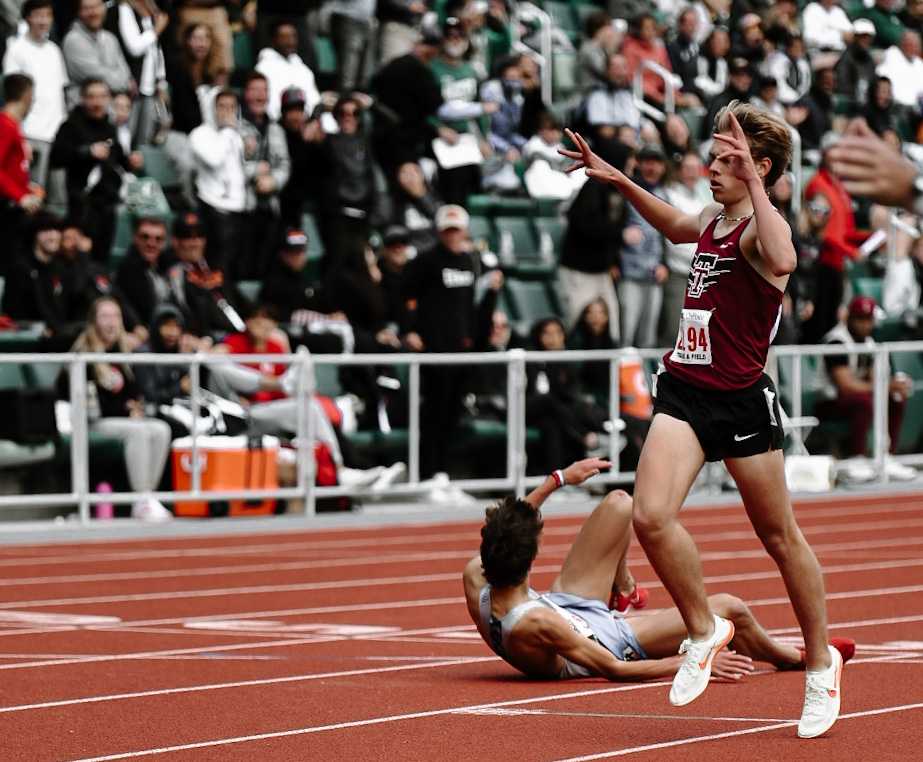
(846, 647)
(625, 604)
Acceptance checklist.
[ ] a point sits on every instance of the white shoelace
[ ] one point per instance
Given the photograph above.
(695, 653)
(815, 695)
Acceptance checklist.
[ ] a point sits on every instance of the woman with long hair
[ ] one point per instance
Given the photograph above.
(115, 406)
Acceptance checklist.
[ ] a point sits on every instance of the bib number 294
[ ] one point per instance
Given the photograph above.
(693, 342)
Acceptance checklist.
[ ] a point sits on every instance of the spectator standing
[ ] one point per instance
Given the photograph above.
(271, 13)
(611, 111)
(505, 139)
(880, 110)
(712, 66)
(643, 271)
(644, 44)
(221, 179)
(88, 149)
(414, 204)
(142, 274)
(300, 135)
(400, 21)
(441, 283)
(37, 56)
(94, 53)
(592, 332)
(813, 115)
(789, 67)
(284, 68)
(767, 96)
(214, 15)
(186, 73)
(140, 24)
(855, 71)
(904, 67)
(690, 193)
(826, 26)
(120, 413)
(592, 242)
(684, 50)
(600, 42)
(888, 26)
(18, 197)
(751, 41)
(351, 31)
(392, 262)
(740, 82)
(912, 16)
(268, 169)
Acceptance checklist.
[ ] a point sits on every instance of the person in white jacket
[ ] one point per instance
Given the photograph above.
(221, 180)
(34, 54)
(140, 25)
(283, 68)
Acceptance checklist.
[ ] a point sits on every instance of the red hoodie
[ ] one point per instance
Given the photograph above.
(840, 236)
(14, 166)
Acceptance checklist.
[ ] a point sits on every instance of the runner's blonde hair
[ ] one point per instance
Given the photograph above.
(768, 135)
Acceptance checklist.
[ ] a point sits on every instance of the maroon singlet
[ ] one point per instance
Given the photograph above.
(730, 316)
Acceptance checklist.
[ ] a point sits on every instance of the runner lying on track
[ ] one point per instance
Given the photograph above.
(570, 631)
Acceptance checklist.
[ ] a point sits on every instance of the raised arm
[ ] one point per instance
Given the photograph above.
(678, 227)
(575, 473)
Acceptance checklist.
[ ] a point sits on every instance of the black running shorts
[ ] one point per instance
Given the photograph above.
(728, 424)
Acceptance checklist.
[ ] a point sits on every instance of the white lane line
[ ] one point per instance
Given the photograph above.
(446, 662)
(729, 734)
(612, 715)
(856, 623)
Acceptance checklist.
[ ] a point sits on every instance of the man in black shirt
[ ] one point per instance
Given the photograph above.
(440, 284)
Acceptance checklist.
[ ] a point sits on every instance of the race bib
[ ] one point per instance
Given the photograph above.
(693, 342)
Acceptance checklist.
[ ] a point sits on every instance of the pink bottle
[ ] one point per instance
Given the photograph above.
(104, 510)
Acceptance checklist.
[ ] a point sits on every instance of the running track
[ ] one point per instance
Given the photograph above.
(355, 645)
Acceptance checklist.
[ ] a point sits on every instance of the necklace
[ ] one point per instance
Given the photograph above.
(723, 216)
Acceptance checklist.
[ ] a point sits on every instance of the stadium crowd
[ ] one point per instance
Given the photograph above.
(353, 176)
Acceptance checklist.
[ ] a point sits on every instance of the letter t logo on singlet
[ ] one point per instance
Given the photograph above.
(702, 267)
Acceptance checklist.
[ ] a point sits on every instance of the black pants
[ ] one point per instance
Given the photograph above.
(828, 296)
(225, 231)
(443, 390)
(261, 241)
(341, 235)
(351, 38)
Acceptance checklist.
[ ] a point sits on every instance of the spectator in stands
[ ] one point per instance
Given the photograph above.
(271, 13)
(880, 110)
(284, 68)
(221, 179)
(187, 72)
(912, 16)
(904, 67)
(301, 132)
(827, 28)
(407, 96)
(210, 304)
(142, 274)
(545, 175)
(788, 66)
(849, 384)
(399, 27)
(18, 196)
(33, 291)
(415, 203)
(888, 27)
(93, 53)
(767, 96)
(592, 332)
(644, 44)
(214, 15)
(712, 66)
(740, 82)
(855, 71)
(689, 192)
(458, 81)
(85, 280)
(533, 106)
(684, 51)
(592, 242)
(268, 169)
(351, 31)
(839, 243)
(813, 114)
(140, 25)
(611, 111)
(568, 423)
(643, 271)
(504, 136)
(751, 40)
(37, 56)
(88, 149)
(120, 412)
(600, 43)
(441, 283)
(392, 262)
(342, 164)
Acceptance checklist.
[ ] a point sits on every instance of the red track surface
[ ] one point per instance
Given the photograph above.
(245, 648)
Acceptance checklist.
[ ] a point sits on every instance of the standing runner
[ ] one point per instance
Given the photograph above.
(714, 402)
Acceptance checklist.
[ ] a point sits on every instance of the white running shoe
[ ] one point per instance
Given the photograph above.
(390, 475)
(899, 472)
(151, 510)
(358, 477)
(821, 698)
(692, 677)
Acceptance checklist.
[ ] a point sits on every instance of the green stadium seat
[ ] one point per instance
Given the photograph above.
(868, 287)
(550, 235)
(123, 234)
(325, 55)
(42, 375)
(563, 17)
(158, 166)
(519, 248)
(250, 290)
(564, 74)
(244, 57)
(481, 229)
(530, 301)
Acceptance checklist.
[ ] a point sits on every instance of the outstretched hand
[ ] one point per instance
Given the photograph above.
(584, 157)
(737, 152)
(730, 665)
(579, 472)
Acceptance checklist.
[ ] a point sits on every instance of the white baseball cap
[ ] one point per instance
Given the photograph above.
(451, 216)
(863, 26)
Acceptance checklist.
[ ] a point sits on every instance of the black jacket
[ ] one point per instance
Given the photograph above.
(135, 280)
(593, 239)
(288, 292)
(342, 164)
(85, 281)
(161, 384)
(34, 292)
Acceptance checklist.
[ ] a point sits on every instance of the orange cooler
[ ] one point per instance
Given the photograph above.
(226, 463)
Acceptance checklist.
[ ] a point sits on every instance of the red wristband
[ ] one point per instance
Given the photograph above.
(558, 477)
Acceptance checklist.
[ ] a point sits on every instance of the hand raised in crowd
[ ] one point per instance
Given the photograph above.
(264, 184)
(632, 235)
(870, 167)
(101, 149)
(579, 472)
(584, 157)
(661, 273)
(388, 338)
(312, 132)
(736, 150)
(136, 161)
(413, 342)
(490, 107)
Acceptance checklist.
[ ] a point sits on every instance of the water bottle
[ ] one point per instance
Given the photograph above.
(104, 510)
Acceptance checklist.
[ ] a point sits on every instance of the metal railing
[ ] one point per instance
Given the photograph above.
(527, 12)
(787, 359)
(669, 98)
